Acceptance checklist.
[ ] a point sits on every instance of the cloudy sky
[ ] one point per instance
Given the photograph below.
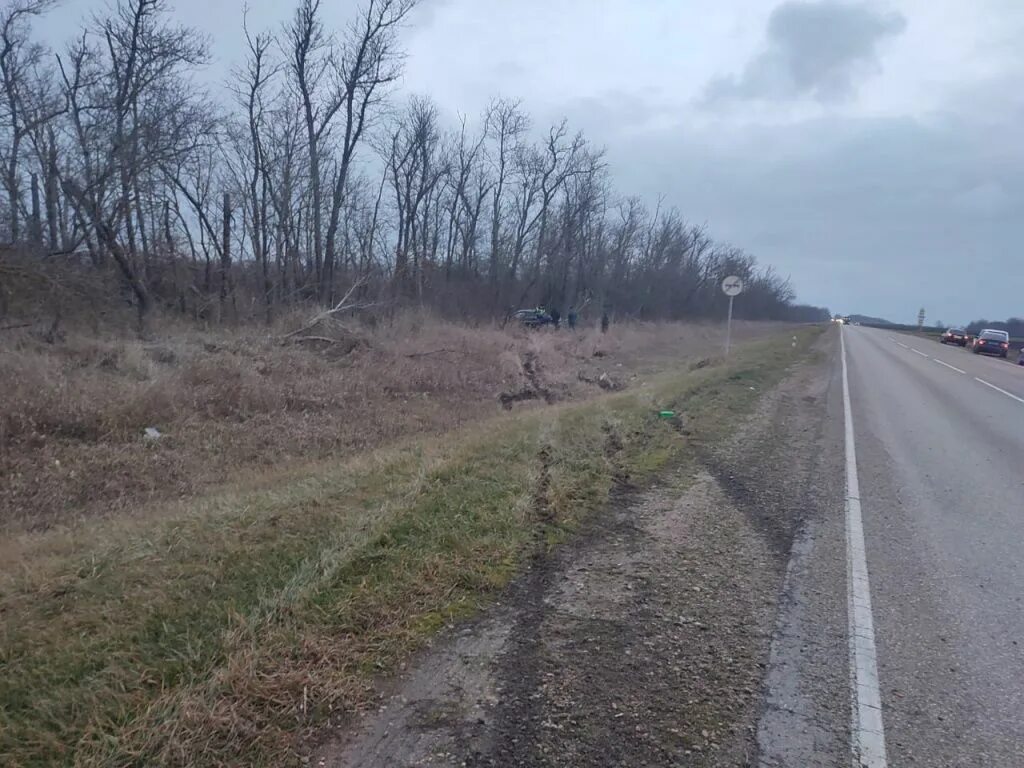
(870, 149)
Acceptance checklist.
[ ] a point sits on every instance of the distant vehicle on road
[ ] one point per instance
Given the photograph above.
(992, 342)
(956, 336)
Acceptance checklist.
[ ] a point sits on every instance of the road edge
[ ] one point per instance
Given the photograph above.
(867, 728)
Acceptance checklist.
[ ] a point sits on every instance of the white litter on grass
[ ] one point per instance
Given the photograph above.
(152, 433)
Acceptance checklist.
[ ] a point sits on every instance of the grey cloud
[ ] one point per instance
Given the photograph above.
(873, 215)
(814, 50)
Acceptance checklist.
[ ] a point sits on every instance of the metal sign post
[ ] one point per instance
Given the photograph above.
(732, 287)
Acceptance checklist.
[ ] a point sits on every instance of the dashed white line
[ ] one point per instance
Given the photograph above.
(1000, 389)
(948, 365)
(868, 730)
(902, 345)
(918, 351)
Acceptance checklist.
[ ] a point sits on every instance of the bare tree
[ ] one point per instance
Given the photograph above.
(28, 102)
(369, 61)
(506, 124)
(268, 199)
(252, 93)
(417, 168)
(340, 81)
(463, 207)
(134, 114)
(311, 61)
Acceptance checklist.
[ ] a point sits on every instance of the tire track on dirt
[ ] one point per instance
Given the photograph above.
(644, 641)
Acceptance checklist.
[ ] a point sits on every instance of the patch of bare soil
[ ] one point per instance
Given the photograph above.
(641, 643)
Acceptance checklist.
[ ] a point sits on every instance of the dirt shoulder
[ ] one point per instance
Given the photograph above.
(644, 641)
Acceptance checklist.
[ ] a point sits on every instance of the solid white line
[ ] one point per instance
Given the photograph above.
(922, 354)
(998, 389)
(867, 728)
(948, 365)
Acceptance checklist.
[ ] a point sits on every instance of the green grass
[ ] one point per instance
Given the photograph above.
(218, 632)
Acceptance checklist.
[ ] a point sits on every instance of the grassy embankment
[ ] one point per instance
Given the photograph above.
(245, 400)
(218, 631)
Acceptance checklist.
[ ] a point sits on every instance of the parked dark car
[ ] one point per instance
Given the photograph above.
(992, 342)
(956, 336)
(533, 318)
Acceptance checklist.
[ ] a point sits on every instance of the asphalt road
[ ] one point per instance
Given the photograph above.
(939, 435)
(941, 461)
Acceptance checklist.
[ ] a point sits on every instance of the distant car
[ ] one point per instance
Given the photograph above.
(956, 336)
(992, 342)
(533, 318)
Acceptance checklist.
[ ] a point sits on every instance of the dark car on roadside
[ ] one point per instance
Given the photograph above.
(992, 342)
(533, 318)
(956, 336)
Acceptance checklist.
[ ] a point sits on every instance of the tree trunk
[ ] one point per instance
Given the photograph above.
(225, 256)
(36, 223)
(179, 280)
(106, 234)
(13, 192)
(52, 202)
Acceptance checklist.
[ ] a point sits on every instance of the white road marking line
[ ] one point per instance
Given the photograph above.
(999, 389)
(902, 345)
(868, 730)
(948, 365)
(918, 351)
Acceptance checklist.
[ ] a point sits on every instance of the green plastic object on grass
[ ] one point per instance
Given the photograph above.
(666, 414)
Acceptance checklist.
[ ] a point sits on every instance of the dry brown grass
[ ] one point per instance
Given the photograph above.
(73, 413)
(225, 630)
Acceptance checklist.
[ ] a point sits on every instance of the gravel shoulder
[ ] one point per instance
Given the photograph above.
(648, 639)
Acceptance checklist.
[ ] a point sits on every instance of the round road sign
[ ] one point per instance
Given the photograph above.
(732, 286)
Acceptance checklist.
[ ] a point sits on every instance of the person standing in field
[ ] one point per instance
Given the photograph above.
(556, 316)
(605, 321)
(572, 318)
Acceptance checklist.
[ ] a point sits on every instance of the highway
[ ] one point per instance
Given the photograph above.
(940, 449)
(940, 452)
(939, 464)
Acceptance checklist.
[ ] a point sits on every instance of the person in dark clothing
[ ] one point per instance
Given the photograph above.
(555, 316)
(572, 318)
(605, 321)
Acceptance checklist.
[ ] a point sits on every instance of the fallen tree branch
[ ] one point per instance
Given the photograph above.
(316, 338)
(341, 306)
(431, 352)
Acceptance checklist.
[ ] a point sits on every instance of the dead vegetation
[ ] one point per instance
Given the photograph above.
(74, 412)
(227, 629)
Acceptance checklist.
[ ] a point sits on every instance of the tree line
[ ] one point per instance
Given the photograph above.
(1014, 326)
(308, 177)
